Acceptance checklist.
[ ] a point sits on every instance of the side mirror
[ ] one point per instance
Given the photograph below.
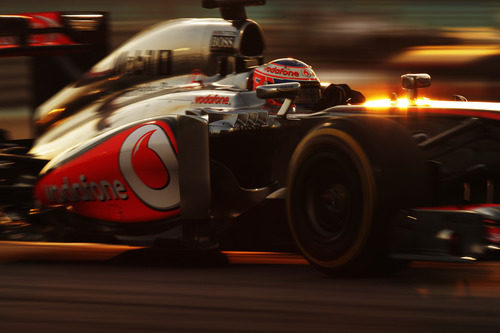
(414, 81)
(411, 83)
(278, 90)
(288, 91)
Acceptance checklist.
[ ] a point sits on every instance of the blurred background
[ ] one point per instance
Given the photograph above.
(367, 44)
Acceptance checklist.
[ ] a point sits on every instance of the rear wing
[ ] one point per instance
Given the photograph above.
(62, 46)
(33, 34)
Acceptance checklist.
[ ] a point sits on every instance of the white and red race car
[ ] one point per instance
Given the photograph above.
(168, 140)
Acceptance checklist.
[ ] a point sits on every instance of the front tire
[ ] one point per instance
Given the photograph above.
(346, 181)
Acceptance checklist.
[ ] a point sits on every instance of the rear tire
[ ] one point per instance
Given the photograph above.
(347, 180)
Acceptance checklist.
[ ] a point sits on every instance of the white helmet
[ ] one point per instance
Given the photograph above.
(290, 70)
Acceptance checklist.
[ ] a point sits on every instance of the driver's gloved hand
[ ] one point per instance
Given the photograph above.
(338, 94)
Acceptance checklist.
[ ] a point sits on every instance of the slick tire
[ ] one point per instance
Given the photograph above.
(347, 180)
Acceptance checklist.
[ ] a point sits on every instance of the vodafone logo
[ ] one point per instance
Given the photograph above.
(149, 165)
(282, 71)
(212, 99)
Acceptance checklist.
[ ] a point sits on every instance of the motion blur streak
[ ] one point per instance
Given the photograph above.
(15, 251)
(445, 55)
(366, 44)
(404, 102)
(22, 251)
(239, 257)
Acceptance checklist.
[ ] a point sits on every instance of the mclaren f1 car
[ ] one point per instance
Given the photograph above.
(184, 134)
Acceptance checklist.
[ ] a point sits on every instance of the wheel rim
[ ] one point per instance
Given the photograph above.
(328, 209)
(330, 199)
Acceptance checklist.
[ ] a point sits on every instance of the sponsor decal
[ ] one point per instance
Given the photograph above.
(148, 163)
(282, 71)
(131, 176)
(212, 99)
(144, 62)
(222, 40)
(86, 190)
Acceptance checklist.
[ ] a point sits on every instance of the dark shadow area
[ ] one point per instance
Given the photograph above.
(170, 258)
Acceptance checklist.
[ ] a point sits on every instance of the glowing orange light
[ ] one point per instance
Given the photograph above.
(426, 102)
(400, 102)
(50, 116)
(450, 54)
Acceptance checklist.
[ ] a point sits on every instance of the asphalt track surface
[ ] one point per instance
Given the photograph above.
(93, 288)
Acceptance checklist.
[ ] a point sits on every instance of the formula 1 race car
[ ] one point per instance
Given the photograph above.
(184, 134)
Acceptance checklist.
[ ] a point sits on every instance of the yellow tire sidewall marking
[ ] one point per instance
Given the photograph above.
(368, 184)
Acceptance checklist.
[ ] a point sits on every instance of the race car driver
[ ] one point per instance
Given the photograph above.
(311, 96)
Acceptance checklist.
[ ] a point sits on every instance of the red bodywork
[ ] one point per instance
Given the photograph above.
(124, 178)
